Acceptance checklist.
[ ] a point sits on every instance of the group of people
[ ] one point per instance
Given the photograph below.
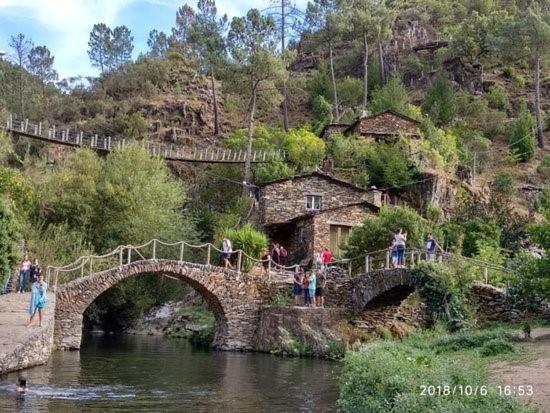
(30, 275)
(278, 258)
(398, 247)
(311, 285)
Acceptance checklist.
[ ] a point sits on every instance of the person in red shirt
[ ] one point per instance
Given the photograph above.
(326, 256)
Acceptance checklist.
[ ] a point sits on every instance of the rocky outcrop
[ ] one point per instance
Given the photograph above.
(301, 331)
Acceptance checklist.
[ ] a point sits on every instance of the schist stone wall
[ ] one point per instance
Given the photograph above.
(286, 199)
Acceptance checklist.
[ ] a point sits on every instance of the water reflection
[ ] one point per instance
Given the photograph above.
(132, 373)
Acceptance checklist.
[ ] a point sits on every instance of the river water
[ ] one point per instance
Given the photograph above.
(119, 373)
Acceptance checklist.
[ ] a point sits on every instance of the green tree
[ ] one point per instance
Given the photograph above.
(120, 47)
(41, 65)
(251, 42)
(9, 240)
(388, 165)
(439, 103)
(521, 136)
(480, 232)
(249, 240)
(21, 46)
(99, 46)
(305, 149)
(527, 38)
(206, 39)
(185, 18)
(158, 43)
(393, 95)
(325, 25)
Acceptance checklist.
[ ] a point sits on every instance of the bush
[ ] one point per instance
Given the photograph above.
(270, 171)
(389, 165)
(544, 168)
(393, 95)
(465, 340)
(350, 91)
(521, 136)
(497, 97)
(503, 184)
(9, 241)
(476, 230)
(336, 349)
(305, 149)
(439, 103)
(496, 346)
(248, 239)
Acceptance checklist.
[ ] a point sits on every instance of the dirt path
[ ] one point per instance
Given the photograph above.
(534, 371)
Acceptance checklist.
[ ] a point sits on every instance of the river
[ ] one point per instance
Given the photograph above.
(121, 373)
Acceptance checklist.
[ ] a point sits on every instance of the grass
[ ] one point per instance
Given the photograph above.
(387, 376)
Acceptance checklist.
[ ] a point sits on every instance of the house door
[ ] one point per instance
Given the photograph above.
(339, 235)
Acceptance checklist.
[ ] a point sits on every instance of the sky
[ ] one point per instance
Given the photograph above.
(64, 25)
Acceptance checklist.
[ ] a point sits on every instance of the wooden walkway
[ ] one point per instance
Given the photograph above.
(75, 138)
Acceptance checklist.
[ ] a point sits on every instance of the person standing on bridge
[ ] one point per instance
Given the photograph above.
(283, 256)
(400, 242)
(312, 287)
(38, 299)
(35, 270)
(431, 247)
(227, 250)
(297, 290)
(24, 271)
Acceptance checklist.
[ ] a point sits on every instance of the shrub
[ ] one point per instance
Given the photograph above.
(497, 97)
(439, 103)
(336, 349)
(521, 136)
(496, 346)
(350, 91)
(476, 230)
(453, 237)
(322, 110)
(465, 340)
(305, 149)
(248, 239)
(9, 241)
(388, 165)
(272, 170)
(544, 168)
(503, 184)
(393, 95)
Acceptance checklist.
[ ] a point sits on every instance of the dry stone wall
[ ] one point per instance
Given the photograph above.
(233, 298)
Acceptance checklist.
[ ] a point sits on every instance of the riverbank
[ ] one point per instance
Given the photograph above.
(21, 346)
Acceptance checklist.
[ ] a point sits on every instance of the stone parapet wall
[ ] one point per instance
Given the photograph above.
(34, 347)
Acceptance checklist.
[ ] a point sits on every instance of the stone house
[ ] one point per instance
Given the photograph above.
(386, 125)
(308, 212)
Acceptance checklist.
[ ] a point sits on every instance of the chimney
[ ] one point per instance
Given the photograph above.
(327, 166)
(374, 196)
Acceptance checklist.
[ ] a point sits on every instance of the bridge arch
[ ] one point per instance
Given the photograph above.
(367, 287)
(233, 298)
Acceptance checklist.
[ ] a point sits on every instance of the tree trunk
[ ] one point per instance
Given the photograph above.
(333, 78)
(366, 71)
(540, 134)
(285, 92)
(22, 110)
(381, 63)
(215, 104)
(247, 162)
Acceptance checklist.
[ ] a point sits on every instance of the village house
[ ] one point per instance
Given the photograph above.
(386, 125)
(305, 213)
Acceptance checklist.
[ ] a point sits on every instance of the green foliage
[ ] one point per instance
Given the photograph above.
(479, 230)
(497, 97)
(503, 184)
(272, 170)
(444, 142)
(136, 126)
(521, 136)
(318, 84)
(434, 212)
(9, 241)
(393, 95)
(453, 237)
(544, 168)
(336, 350)
(439, 102)
(389, 165)
(347, 152)
(376, 233)
(305, 149)
(467, 339)
(477, 114)
(248, 239)
(321, 110)
(350, 91)
(488, 252)
(496, 347)
(388, 376)
(444, 289)
(282, 298)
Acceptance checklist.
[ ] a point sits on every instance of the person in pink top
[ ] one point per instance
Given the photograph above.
(326, 257)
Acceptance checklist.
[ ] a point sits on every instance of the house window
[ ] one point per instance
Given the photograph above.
(339, 235)
(313, 202)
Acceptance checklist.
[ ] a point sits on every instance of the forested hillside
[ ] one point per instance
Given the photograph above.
(473, 73)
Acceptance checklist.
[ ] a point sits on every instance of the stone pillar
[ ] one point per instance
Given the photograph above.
(239, 330)
(67, 331)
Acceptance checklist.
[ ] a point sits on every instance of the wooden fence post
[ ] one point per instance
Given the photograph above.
(129, 255)
(154, 249)
(387, 259)
(120, 255)
(208, 255)
(367, 264)
(239, 260)
(181, 251)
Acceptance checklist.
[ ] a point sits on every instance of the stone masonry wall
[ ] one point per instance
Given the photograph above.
(285, 200)
(233, 298)
(35, 347)
(352, 215)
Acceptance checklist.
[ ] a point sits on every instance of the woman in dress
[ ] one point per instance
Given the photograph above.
(38, 299)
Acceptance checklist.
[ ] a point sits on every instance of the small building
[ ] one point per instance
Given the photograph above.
(332, 129)
(386, 125)
(308, 212)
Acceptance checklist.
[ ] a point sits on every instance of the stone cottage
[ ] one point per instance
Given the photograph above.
(386, 125)
(308, 212)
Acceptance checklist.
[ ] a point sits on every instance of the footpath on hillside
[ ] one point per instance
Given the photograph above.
(22, 346)
(532, 372)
